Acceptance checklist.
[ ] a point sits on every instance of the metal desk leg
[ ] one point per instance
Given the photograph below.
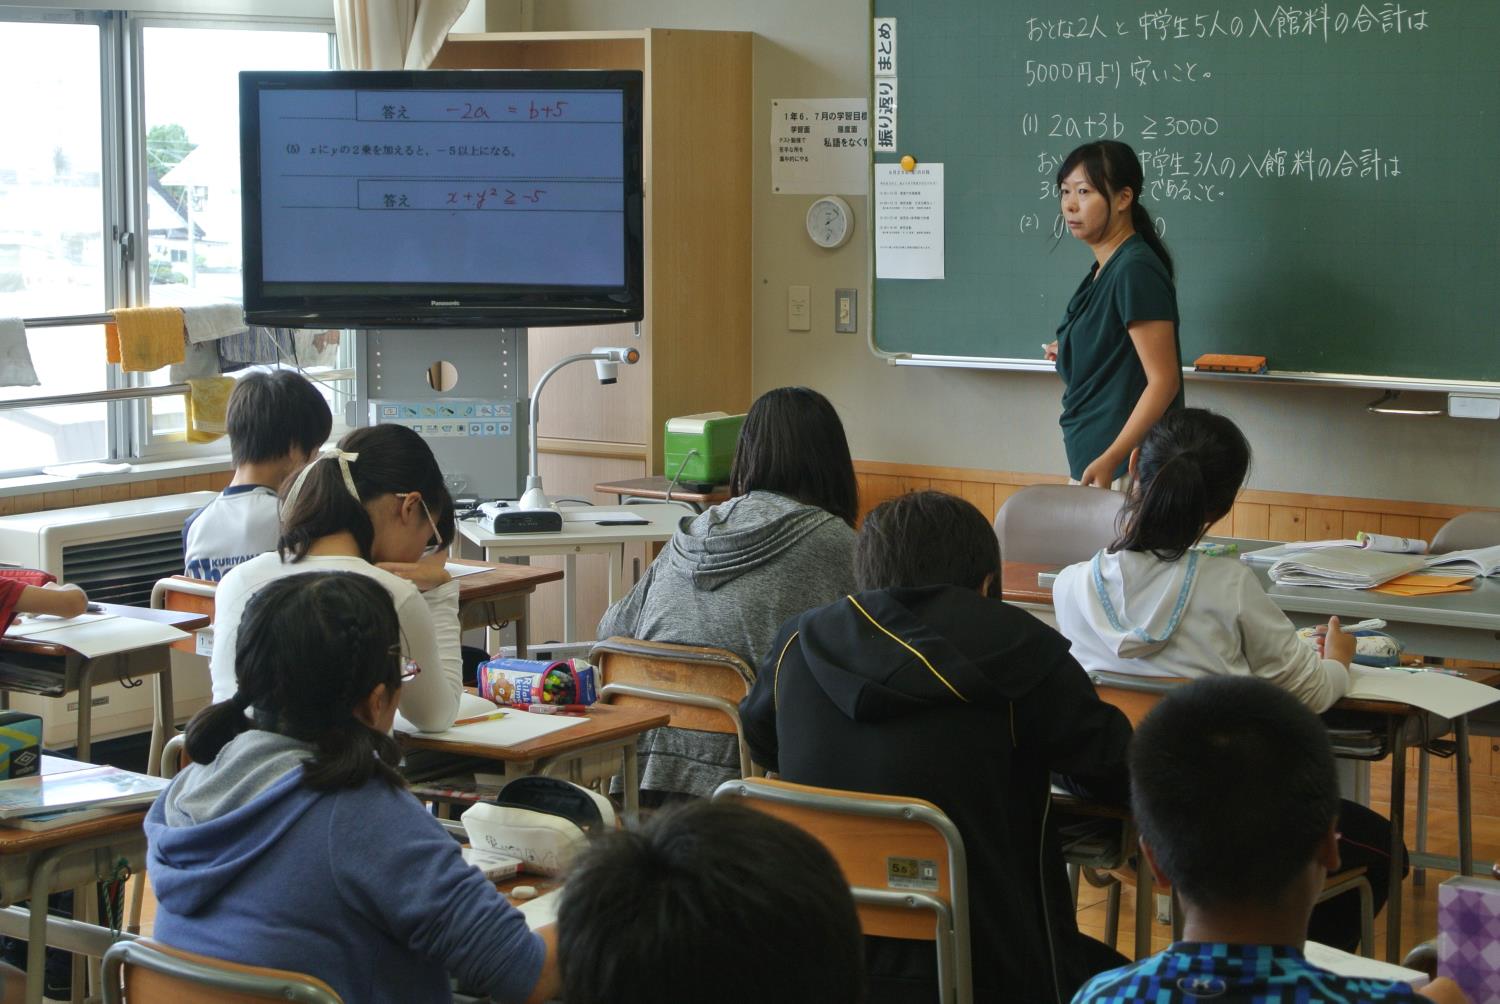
(631, 780)
(617, 586)
(86, 707)
(1396, 730)
(1465, 798)
(570, 597)
(164, 718)
(42, 875)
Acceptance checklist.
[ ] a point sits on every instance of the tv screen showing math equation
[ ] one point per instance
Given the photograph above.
(441, 198)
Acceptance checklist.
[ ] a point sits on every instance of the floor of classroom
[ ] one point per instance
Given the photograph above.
(1419, 904)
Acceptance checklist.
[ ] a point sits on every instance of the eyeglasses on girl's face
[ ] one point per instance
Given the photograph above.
(435, 542)
(409, 667)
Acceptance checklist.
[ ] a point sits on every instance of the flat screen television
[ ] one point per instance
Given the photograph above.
(441, 198)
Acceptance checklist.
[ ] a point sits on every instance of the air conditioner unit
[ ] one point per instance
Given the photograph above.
(115, 552)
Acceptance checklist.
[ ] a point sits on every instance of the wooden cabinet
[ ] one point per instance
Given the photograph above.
(695, 339)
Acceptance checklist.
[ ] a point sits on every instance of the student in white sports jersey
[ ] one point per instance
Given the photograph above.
(276, 421)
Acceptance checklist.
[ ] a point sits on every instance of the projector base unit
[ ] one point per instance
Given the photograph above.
(115, 552)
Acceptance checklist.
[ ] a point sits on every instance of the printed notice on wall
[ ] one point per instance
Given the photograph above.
(820, 146)
(908, 222)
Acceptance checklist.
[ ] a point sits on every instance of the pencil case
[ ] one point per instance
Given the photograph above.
(1371, 648)
(20, 744)
(536, 681)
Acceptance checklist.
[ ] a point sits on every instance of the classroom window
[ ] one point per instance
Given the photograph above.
(124, 124)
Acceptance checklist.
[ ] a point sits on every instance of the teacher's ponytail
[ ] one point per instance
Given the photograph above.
(1111, 165)
(1191, 466)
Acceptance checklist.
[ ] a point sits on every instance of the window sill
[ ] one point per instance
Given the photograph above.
(37, 484)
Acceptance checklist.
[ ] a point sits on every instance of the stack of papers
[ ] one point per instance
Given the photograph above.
(1343, 568)
(1477, 561)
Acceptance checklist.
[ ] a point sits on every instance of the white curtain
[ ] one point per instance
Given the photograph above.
(392, 34)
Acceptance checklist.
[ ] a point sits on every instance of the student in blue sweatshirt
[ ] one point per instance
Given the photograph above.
(291, 841)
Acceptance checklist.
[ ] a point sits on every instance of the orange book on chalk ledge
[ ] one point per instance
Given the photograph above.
(1216, 363)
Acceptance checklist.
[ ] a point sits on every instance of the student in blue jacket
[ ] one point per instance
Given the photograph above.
(291, 841)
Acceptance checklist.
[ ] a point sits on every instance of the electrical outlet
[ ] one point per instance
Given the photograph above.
(846, 310)
(799, 308)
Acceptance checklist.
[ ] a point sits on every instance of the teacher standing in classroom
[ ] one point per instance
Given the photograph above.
(1117, 348)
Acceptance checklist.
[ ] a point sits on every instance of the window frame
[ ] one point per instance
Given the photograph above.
(123, 166)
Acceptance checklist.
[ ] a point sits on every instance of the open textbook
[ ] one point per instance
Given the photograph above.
(1477, 561)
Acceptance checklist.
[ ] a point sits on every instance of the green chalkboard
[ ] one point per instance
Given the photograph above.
(1328, 178)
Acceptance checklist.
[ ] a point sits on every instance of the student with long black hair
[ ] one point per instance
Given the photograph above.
(1117, 348)
(1149, 605)
(784, 543)
(290, 841)
(378, 498)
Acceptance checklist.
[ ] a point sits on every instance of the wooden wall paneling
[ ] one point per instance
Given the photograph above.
(1428, 526)
(28, 503)
(914, 484)
(875, 489)
(574, 404)
(948, 485)
(1324, 524)
(1286, 523)
(1400, 526)
(544, 51)
(91, 496)
(1224, 527)
(1357, 522)
(111, 493)
(1251, 519)
(989, 501)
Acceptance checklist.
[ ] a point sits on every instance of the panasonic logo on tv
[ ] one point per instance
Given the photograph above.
(445, 303)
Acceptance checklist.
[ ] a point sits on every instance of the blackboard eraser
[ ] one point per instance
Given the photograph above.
(1219, 363)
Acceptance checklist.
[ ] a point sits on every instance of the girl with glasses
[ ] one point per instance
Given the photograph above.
(374, 506)
(290, 841)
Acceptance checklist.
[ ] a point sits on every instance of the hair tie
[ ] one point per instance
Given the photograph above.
(344, 459)
(240, 701)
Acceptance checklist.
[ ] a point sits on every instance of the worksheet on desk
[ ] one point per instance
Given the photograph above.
(1448, 696)
(515, 728)
(93, 635)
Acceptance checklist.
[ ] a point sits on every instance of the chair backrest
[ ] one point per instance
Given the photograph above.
(174, 756)
(1466, 531)
(700, 687)
(902, 857)
(179, 592)
(1061, 524)
(150, 971)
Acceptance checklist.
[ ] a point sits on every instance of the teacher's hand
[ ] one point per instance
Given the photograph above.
(1101, 473)
(1049, 351)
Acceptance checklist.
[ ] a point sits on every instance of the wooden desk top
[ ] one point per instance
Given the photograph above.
(501, 579)
(602, 724)
(1018, 581)
(14, 840)
(179, 619)
(656, 488)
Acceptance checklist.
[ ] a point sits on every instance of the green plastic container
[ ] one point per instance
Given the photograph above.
(700, 448)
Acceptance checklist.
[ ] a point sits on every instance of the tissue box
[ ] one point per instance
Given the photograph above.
(1469, 936)
(20, 744)
(700, 448)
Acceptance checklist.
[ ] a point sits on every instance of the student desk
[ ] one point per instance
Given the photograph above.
(53, 669)
(581, 537)
(1442, 626)
(656, 488)
(498, 594)
(606, 729)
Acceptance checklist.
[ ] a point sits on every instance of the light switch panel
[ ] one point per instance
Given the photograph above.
(846, 310)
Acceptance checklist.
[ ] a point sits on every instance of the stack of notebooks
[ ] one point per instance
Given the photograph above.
(1343, 568)
(70, 791)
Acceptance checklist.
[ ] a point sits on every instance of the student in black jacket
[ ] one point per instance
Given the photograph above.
(926, 684)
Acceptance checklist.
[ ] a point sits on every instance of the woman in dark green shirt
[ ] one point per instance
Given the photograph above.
(1117, 348)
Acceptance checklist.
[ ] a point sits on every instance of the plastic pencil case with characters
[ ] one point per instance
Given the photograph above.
(1371, 648)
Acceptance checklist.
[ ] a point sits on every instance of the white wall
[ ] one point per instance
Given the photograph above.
(1306, 439)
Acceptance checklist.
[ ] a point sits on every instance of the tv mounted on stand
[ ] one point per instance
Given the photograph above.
(442, 198)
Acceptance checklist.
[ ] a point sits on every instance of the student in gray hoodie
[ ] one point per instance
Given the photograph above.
(784, 543)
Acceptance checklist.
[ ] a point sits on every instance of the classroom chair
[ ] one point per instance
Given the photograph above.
(865, 833)
(1467, 531)
(700, 687)
(149, 971)
(176, 592)
(1057, 524)
(1137, 695)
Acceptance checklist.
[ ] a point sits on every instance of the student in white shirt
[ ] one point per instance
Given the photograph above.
(1150, 605)
(275, 421)
(378, 498)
